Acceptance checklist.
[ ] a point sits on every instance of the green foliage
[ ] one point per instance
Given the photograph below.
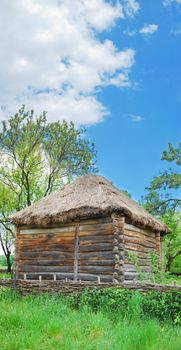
(157, 274)
(37, 158)
(48, 323)
(173, 242)
(163, 200)
(3, 261)
(135, 261)
(162, 192)
(131, 304)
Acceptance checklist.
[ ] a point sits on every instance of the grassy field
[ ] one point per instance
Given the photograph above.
(47, 323)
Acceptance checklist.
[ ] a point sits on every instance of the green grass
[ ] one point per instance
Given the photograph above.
(47, 323)
(172, 279)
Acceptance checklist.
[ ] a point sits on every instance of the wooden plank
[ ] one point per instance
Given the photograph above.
(141, 261)
(40, 269)
(59, 230)
(32, 242)
(138, 247)
(97, 269)
(73, 224)
(97, 255)
(93, 239)
(53, 255)
(46, 255)
(139, 236)
(69, 262)
(104, 232)
(45, 235)
(95, 227)
(52, 247)
(132, 268)
(140, 254)
(133, 228)
(39, 262)
(132, 240)
(96, 247)
(96, 262)
(76, 247)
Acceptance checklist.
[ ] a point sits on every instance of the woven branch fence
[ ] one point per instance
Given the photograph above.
(25, 287)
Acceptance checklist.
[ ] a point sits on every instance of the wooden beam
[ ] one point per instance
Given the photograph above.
(76, 254)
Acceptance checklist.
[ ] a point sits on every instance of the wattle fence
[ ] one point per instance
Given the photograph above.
(25, 287)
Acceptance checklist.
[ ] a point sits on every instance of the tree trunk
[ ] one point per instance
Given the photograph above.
(9, 265)
(169, 263)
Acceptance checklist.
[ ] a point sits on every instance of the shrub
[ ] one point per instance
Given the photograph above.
(131, 304)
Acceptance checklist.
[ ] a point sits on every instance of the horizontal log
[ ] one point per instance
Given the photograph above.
(46, 255)
(142, 261)
(139, 235)
(39, 262)
(42, 242)
(133, 228)
(48, 247)
(139, 254)
(59, 230)
(96, 262)
(97, 232)
(138, 248)
(130, 275)
(96, 255)
(93, 239)
(96, 269)
(65, 255)
(69, 262)
(132, 268)
(40, 269)
(143, 243)
(87, 221)
(94, 221)
(96, 247)
(45, 236)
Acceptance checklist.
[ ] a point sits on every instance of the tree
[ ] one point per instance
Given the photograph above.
(164, 189)
(173, 240)
(164, 201)
(38, 158)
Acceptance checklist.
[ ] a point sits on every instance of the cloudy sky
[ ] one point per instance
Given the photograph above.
(113, 66)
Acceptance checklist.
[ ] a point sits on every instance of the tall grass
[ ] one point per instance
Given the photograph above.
(50, 323)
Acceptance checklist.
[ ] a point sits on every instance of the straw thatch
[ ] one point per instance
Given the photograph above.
(88, 196)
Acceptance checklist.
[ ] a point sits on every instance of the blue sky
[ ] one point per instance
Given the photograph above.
(112, 66)
(129, 151)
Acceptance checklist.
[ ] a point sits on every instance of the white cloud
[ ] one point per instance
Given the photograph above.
(136, 118)
(169, 2)
(149, 29)
(130, 32)
(51, 57)
(131, 7)
(176, 30)
(146, 30)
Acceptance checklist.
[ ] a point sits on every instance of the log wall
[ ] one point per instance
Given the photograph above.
(89, 250)
(95, 257)
(138, 245)
(79, 251)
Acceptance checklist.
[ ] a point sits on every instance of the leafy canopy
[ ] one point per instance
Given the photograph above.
(37, 158)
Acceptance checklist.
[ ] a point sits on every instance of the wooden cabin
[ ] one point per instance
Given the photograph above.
(88, 231)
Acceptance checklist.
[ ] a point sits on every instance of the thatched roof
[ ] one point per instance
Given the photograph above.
(88, 196)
